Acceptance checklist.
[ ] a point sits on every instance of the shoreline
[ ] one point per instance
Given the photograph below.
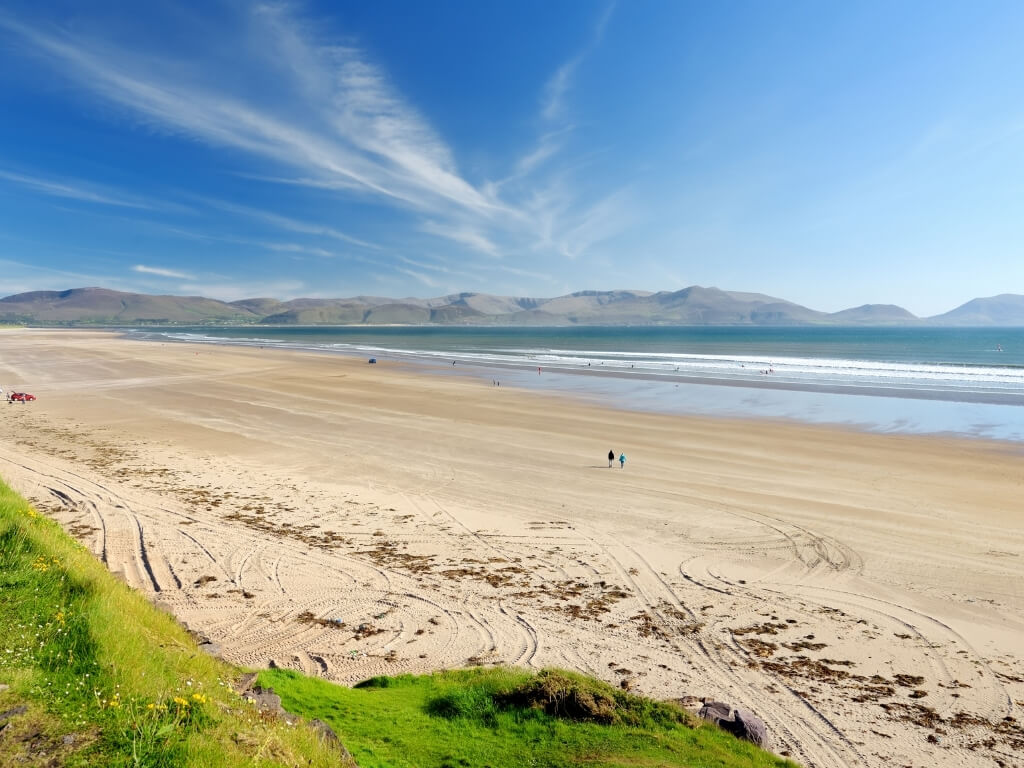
(970, 415)
(446, 523)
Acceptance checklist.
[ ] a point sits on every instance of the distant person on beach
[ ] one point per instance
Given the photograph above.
(622, 461)
(611, 457)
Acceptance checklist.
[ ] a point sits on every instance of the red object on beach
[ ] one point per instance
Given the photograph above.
(21, 397)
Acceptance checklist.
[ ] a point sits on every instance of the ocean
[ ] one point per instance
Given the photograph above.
(964, 381)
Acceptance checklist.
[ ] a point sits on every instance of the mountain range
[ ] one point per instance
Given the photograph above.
(690, 306)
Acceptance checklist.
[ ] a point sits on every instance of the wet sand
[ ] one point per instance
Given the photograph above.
(862, 592)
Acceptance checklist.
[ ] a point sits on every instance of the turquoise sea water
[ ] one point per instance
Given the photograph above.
(961, 381)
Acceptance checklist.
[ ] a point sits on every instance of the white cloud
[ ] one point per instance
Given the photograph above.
(601, 221)
(558, 85)
(356, 132)
(554, 91)
(77, 190)
(326, 117)
(548, 145)
(267, 245)
(425, 265)
(161, 272)
(286, 222)
(425, 279)
(464, 235)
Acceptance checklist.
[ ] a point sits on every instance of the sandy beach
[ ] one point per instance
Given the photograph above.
(863, 593)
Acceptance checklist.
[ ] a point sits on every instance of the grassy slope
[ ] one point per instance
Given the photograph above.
(476, 718)
(94, 661)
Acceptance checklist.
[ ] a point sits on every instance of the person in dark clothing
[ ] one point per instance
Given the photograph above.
(611, 457)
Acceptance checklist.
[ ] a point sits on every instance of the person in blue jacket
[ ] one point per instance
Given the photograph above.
(622, 461)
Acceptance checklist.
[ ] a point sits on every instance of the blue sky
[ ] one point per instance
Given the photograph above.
(833, 154)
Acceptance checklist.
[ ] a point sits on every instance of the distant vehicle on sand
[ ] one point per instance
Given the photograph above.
(20, 397)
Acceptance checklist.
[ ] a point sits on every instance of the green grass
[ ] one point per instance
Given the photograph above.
(509, 718)
(94, 661)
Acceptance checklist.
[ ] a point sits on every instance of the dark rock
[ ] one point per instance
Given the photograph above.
(740, 722)
(245, 682)
(327, 734)
(753, 727)
(324, 730)
(201, 638)
(265, 700)
(715, 712)
(211, 648)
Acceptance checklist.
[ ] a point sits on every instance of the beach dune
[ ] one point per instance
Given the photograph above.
(861, 592)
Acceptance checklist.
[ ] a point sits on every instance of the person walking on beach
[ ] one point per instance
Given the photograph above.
(611, 457)
(622, 461)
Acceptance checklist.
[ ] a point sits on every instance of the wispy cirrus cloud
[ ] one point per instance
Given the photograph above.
(161, 272)
(352, 129)
(547, 146)
(562, 219)
(466, 235)
(556, 88)
(558, 85)
(327, 118)
(267, 245)
(73, 189)
(421, 277)
(286, 222)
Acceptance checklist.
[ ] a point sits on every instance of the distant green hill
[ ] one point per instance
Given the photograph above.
(694, 306)
(1004, 310)
(99, 306)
